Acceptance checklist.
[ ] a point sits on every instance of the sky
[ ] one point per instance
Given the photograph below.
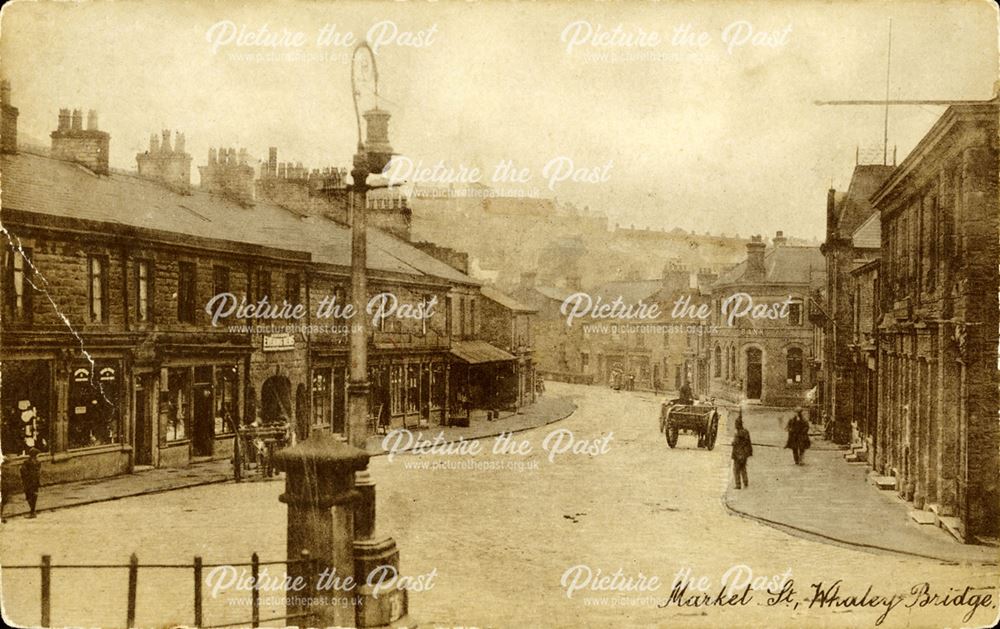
(596, 103)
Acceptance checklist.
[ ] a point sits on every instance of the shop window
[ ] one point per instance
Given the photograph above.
(97, 273)
(186, 291)
(26, 399)
(321, 397)
(178, 403)
(225, 398)
(396, 389)
(94, 401)
(143, 291)
(794, 363)
(19, 293)
(412, 388)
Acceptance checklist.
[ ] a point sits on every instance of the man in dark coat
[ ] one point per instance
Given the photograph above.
(31, 479)
(798, 436)
(685, 396)
(742, 450)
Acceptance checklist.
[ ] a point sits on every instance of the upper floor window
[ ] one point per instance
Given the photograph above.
(186, 291)
(293, 288)
(143, 291)
(97, 274)
(19, 285)
(795, 313)
(263, 284)
(794, 365)
(718, 361)
(220, 280)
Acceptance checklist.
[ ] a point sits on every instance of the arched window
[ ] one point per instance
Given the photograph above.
(718, 361)
(794, 365)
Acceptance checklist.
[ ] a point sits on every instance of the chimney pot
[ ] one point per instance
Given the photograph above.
(64, 119)
(76, 121)
(92, 120)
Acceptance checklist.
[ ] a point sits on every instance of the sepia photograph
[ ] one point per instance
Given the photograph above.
(500, 314)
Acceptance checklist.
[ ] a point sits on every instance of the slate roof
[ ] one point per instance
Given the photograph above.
(786, 264)
(478, 352)
(630, 291)
(505, 300)
(869, 234)
(43, 185)
(855, 207)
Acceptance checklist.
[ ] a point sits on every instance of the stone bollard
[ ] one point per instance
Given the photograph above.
(321, 498)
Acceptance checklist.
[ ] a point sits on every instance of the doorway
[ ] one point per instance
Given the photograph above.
(143, 425)
(755, 382)
(203, 416)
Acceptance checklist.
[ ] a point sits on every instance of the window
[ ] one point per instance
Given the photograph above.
(143, 291)
(18, 294)
(186, 290)
(263, 284)
(472, 316)
(226, 408)
(97, 267)
(448, 308)
(794, 364)
(795, 313)
(94, 395)
(396, 389)
(293, 288)
(412, 388)
(27, 404)
(718, 361)
(220, 280)
(584, 360)
(178, 402)
(461, 317)
(426, 300)
(321, 397)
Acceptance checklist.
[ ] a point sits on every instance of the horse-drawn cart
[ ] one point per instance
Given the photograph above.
(698, 419)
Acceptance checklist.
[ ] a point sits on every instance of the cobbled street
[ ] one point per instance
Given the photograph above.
(498, 539)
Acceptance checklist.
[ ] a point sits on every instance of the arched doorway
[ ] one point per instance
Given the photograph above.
(276, 400)
(755, 379)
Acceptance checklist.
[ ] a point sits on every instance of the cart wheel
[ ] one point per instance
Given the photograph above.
(713, 431)
(672, 435)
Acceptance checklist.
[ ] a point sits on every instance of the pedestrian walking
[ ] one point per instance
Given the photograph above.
(31, 479)
(798, 436)
(742, 450)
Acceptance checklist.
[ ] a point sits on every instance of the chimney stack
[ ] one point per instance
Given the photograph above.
(831, 214)
(89, 147)
(8, 130)
(229, 175)
(676, 277)
(755, 259)
(779, 239)
(161, 163)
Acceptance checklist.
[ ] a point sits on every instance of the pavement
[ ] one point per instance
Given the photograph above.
(549, 408)
(501, 532)
(833, 500)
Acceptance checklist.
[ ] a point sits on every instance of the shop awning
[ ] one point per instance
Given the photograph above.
(477, 352)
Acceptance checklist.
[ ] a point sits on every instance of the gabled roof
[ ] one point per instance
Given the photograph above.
(869, 234)
(505, 300)
(855, 208)
(786, 264)
(43, 185)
